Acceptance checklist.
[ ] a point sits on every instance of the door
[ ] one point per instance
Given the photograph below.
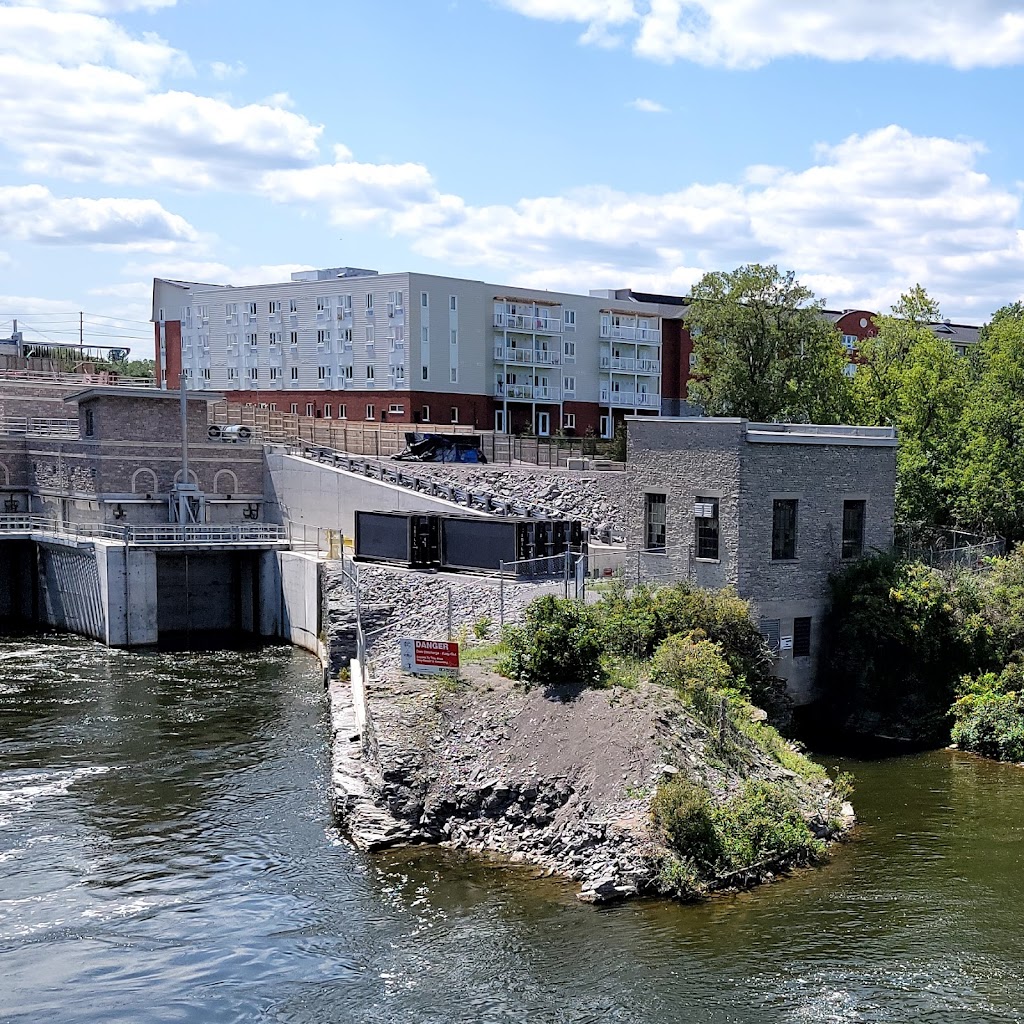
(543, 424)
(499, 421)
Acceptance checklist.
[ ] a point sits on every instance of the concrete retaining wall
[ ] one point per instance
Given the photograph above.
(321, 497)
(290, 598)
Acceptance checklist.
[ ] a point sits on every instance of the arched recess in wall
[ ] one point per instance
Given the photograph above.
(5, 475)
(191, 477)
(144, 482)
(228, 478)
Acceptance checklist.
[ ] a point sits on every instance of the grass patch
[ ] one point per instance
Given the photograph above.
(625, 671)
(478, 654)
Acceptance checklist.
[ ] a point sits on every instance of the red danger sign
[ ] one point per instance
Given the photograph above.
(429, 656)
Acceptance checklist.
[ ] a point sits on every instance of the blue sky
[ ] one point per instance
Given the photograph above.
(569, 144)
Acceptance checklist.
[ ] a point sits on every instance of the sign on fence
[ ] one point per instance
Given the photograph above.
(429, 657)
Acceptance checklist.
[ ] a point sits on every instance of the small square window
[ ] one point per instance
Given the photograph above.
(455, 414)
(784, 518)
(453, 303)
(426, 411)
(455, 375)
(655, 520)
(569, 420)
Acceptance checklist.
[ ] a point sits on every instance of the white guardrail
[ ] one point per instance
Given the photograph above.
(169, 535)
(37, 426)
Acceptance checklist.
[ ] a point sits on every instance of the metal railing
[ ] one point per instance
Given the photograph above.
(159, 535)
(104, 378)
(36, 426)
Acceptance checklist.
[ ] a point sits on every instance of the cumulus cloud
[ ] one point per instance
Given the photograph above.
(648, 106)
(223, 70)
(750, 33)
(31, 213)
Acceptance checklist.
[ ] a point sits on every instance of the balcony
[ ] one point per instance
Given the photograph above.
(526, 392)
(630, 399)
(529, 324)
(531, 357)
(620, 364)
(643, 335)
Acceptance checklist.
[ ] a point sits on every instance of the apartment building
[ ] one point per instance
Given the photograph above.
(347, 343)
(355, 344)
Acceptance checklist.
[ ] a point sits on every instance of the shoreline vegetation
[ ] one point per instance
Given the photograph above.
(732, 802)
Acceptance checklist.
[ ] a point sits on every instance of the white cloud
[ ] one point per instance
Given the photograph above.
(648, 106)
(31, 213)
(100, 6)
(221, 70)
(750, 33)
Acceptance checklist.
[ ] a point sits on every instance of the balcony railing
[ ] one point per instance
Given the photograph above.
(541, 357)
(530, 324)
(631, 365)
(526, 392)
(643, 335)
(163, 535)
(632, 399)
(34, 426)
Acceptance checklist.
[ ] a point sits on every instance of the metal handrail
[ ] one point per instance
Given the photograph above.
(150, 536)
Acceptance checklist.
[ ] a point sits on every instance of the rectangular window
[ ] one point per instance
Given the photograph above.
(294, 408)
(206, 374)
(453, 303)
(369, 302)
(455, 375)
(327, 411)
(369, 334)
(90, 423)
(802, 638)
(784, 511)
(293, 305)
(369, 373)
(295, 373)
(310, 409)
(424, 335)
(606, 426)
(425, 371)
(323, 373)
(250, 308)
(254, 373)
(293, 337)
(569, 319)
(342, 412)
(853, 529)
(274, 373)
(322, 303)
(455, 414)
(251, 339)
(232, 373)
(230, 308)
(275, 337)
(232, 341)
(424, 300)
(274, 306)
(655, 519)
(569, 349)
(323, 339)
(705, 521)
(455, 336)
(569, 385)
(371, 412)
(426, 408)
(771, 630)
(396, 410)
(348, 373)
(569, 421)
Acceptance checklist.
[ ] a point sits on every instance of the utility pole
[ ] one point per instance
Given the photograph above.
(81, 330)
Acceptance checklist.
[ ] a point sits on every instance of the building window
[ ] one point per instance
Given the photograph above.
(606, 426)
(327, 411)
(396, 410)
(455, 336)
(310, 409)
(426, 408)
(569, 349)
(455, 375)
(569, 385)
(425, 371)
(294, 409)
(275, 337)
(254, 373)
(853, 529)
(369, 334)
(274, 306)
(655, 518)
(569, 421)
(424, 335)
(705, 521)
(250, 308)
(293, 338)
(206, 374)
(784, 528)
(369, 303)
(323, 373)
(274, 373)
(371, 412)
(771, 630)
(342, 412)
(232, 373)
(322, 303)
(569, 319)
(369, 373)
(90, 423)
(802, 638)
(455, 414)
(348, 373)
(252, 340)
(295, 373)
(293, 305)
(453, 303)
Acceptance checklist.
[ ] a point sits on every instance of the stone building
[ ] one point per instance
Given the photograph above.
(770, 509)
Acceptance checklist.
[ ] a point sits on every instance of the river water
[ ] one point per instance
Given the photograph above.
(167, 854)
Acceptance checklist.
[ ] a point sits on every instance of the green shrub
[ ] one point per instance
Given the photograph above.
(559, 642)
(683, 812)
(482, 627)
(690, 660)
(628, 622)
(989, 715)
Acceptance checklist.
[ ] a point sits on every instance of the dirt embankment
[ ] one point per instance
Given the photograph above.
(561, 778)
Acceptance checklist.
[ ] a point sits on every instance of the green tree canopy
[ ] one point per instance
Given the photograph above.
(912, 379)
(763, 349)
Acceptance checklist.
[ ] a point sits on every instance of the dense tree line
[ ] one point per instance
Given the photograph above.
(763, 351)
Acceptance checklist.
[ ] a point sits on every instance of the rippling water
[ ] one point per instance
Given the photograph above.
(166, 854)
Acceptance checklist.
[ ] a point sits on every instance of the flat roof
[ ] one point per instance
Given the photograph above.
(116, 391)
(789, 433)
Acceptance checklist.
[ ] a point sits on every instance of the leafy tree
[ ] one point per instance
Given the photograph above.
(912, 379)
(989, 467)
(763, 350)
